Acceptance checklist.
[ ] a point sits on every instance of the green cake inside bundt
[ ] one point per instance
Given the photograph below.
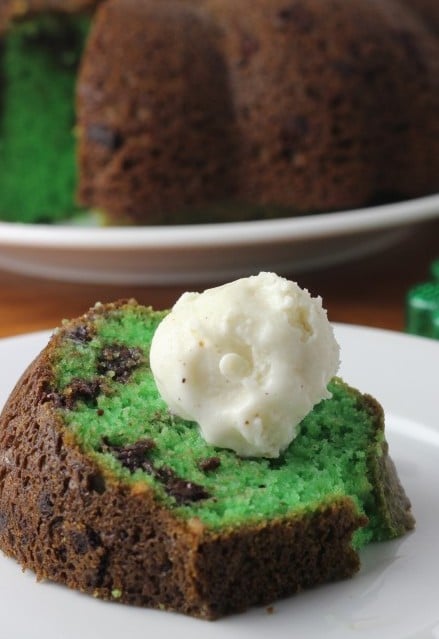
(107, 397)
(39, 59)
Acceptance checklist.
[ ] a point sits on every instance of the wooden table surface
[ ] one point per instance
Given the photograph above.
(369, 291)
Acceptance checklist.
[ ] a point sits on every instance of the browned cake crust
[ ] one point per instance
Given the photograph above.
(308, 106)
(155, 113)
(61, 517)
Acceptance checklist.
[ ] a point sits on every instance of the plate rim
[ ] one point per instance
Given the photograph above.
(305, 227)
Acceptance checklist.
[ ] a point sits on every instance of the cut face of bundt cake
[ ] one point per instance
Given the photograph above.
(39, 58)
(104, 489)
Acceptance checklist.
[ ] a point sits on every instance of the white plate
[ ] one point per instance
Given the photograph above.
(206, 252)
(395, 595)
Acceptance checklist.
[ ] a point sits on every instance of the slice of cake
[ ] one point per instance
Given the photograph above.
(105, 489)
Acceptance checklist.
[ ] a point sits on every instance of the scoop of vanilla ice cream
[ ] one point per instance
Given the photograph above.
(247, 361)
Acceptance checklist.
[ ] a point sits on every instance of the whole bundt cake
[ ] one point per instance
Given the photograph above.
(210, 110)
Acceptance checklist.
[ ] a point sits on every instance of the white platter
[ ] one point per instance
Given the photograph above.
(395, 595)
(206, 252)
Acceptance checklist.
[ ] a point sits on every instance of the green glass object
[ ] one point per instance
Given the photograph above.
(435, 270)
(422, 310)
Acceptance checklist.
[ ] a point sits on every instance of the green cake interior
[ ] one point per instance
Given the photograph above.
(106, 394)
(38, 65)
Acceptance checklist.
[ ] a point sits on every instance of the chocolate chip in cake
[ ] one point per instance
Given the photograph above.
(82, 333)
(135, 457)
(119, 361)
(132, 456)
(78, 389)
(183, 491)
(81, 389)
(208, 464)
